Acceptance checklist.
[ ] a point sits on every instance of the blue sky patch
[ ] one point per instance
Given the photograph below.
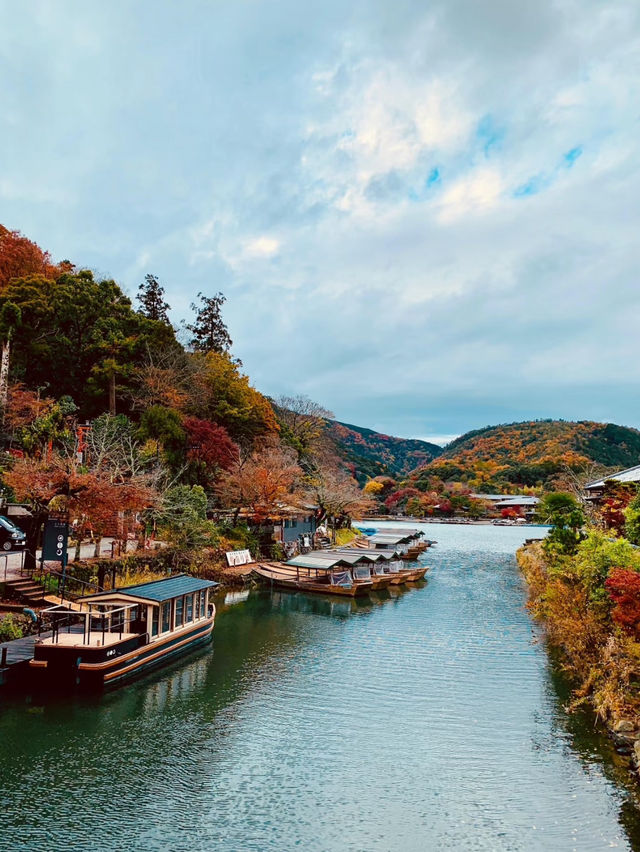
(571, 156)
(489, 135)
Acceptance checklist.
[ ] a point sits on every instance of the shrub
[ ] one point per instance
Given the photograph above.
(597, 556)
(10, 628)
(624, 590)
(566, 517)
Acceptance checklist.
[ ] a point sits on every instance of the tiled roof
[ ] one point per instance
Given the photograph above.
(161, 590)
(631, 474)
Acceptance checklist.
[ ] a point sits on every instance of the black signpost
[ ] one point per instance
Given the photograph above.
(54, 545)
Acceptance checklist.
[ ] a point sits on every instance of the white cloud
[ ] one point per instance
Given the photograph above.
(261, 247)
(387, 192)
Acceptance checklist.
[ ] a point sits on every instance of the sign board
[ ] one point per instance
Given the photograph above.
(54, 546)
(239, 557)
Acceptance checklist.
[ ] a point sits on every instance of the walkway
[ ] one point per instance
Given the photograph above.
(10, 563)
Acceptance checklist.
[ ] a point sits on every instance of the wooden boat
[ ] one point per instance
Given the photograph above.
(322, 580)
(368, 573)
(417, 573)
(124, 632)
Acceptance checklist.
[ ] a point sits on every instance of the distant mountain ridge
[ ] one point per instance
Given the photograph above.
(372, 453)
(533, 452)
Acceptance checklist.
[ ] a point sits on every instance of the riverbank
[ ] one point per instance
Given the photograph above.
(301, 698)
(602, 661)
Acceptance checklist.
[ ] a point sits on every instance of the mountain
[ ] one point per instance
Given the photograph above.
(533, 452)
(374, 454)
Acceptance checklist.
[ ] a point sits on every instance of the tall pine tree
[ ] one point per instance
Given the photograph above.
(151, 299)
(209, 333)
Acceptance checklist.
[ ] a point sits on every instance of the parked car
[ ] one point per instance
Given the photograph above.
(11, 536)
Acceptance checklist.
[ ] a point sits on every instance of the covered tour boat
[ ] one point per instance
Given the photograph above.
(315, 575)
(120, 633)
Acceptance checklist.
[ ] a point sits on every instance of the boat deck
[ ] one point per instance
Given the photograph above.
(96, 640)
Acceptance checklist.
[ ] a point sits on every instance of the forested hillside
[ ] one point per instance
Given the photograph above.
(375, 454)
(533, 453)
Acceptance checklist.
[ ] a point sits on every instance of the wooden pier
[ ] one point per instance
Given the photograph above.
(14, 658)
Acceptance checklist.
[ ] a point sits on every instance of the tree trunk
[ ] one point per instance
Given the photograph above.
(4, 375)
(33, 538)
(112, 393)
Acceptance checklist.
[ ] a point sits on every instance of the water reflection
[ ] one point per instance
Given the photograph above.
(431, 710)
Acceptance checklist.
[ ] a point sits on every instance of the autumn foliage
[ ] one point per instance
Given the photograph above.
(624, 590)
(20, 257)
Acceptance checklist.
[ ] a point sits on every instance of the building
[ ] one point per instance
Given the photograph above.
(594, 490)
(521, 503)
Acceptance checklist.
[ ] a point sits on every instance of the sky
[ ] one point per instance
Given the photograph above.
(423, 215)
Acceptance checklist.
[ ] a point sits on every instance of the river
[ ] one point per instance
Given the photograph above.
(428, 719)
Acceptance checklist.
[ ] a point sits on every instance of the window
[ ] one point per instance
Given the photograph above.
(189, 615)
(203, 597)
(166, 616)
(179, 611)
(154, 621)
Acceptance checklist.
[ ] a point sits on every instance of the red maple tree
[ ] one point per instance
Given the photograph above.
(623, 586)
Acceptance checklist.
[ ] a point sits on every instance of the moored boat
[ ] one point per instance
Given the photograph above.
(322, 579)
(121, 633)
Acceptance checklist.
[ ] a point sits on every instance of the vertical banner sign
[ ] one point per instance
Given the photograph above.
(54, 546)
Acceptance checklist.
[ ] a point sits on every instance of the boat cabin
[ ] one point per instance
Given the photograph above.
(109, 635)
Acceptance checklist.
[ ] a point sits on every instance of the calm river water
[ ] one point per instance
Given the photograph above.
(428, 720)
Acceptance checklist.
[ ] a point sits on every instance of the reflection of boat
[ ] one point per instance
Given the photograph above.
(123, 632)
(292, 600)
(322, 579)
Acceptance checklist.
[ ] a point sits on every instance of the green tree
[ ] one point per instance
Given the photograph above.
(632, 520)
(163, 426)
(566, 517)
(208, 331)
(182, 517)
(151, 299)
(87, 330)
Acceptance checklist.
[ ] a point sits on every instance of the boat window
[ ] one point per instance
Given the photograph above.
(154, 621)
(179, 611)
(166, 616)
(203, 597)
(189, 614)
(196, 606)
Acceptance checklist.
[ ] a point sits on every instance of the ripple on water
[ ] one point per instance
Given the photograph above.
(429, 720)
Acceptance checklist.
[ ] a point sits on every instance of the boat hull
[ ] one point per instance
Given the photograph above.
(417, 574)
(279, 578)
(381, 581)
(92, 669)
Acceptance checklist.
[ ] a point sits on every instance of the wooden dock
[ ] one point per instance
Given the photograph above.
(14, 658)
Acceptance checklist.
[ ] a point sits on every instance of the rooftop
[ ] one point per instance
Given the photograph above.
(158, 590)
(631, 474)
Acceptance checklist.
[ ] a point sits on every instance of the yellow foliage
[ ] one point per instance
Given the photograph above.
(373, 487)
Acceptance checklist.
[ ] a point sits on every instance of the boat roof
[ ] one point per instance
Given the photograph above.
(322, 560)
(389, 539)
(413, 532)
(157, 590)
(371, 553)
